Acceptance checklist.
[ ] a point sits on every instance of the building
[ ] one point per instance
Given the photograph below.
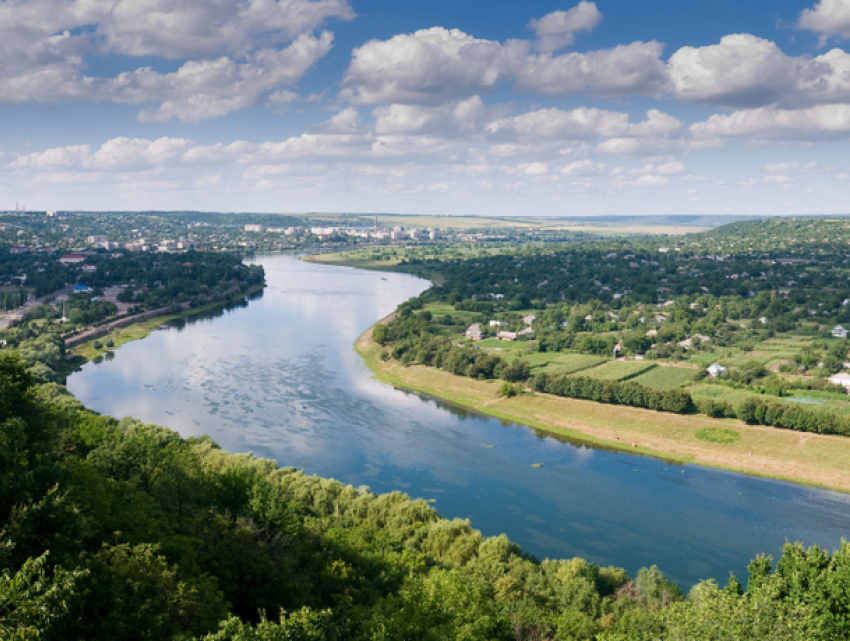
(94, 240)
(474, 332)
(19, 249)
(528, 320)
(89, 269)
(840, 379)
(839, 332)
(506, 336)
(71, 259)
(716, 370)
(528, 331)
(497, 323)
(255, 228)
(82, 289)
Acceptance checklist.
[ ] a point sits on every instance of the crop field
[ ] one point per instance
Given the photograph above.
(618, 370)
(666, 377)
(569, 363)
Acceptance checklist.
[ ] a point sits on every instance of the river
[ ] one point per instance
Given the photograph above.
(279, 378)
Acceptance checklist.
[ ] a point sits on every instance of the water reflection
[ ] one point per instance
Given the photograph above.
(280, 378)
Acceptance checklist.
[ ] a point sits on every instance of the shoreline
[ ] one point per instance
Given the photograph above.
(139, 330)
(802, 458)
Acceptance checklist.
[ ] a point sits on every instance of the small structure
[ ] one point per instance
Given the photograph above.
(497, 323)
(89, 269)
(839, 332)
(70, 259)
(506, 336)
(763, 320)
(840, 379)
(474, 332)
(82, 289)
(528, 331)
(528, 320)
(716, 370)
(19, 249)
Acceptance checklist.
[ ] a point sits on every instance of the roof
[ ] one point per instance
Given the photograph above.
(840, 377)
(717, 367)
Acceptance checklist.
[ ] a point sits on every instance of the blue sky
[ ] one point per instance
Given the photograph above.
(494, 108)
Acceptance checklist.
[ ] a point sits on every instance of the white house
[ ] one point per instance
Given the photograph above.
(497, 323)
(840, 379)
(839, 332)
(70, 259)
(716, 370)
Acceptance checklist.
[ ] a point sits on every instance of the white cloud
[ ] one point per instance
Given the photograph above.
(581, 124)
(828, 18)
(781, 167)
(584, 168)
(650, 181)
(435, 65)
(43, 44)
(460, 116)
(533, 169)
(746, 71)
(669, 168)
(557, 29)
(823, 122)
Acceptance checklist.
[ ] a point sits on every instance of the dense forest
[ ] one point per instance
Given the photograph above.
(121, 530)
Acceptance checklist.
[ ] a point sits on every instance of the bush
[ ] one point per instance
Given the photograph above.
(507, 390)
(97, 344)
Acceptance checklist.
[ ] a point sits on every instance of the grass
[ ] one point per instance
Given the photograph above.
(665, 377)
(722, 435)
(814, 459)
(571, 363)
(618, 370)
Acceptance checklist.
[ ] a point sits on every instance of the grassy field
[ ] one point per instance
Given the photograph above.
(666, 377)
(808, 458)
(618, 370)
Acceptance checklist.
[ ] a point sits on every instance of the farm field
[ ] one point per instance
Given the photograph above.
(662, 377)
(618, 370)
(823, 400)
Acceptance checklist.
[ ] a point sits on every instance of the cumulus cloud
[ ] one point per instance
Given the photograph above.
(582, 124)
(828, 18)
(747, 71)
(557, 29)
(44, 44)
(435, 65)
(456, 117)
(823, 122)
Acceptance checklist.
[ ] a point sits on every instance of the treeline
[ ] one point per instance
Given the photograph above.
(792, 416)
(614, 392)
(124, 531)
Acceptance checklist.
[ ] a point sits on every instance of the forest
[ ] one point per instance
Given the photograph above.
(121, 530)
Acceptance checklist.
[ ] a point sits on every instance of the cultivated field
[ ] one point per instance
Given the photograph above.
(662, 377)
(618, 370)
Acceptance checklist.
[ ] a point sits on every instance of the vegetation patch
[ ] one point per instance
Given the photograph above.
(666, 377)
(721, 435)
(618, 370)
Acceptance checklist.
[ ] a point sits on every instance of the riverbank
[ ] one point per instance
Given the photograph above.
(141, 329)
(811, 459)
(344, 259)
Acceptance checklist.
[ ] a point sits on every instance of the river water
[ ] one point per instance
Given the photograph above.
(279, 378)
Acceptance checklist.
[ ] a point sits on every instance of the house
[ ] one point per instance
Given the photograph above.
(497, 323)
(89, 268)
(763, 320)
(528, 331)
(474, 332)
(839, 332)
(528, 320)
(82, 289)
(652, 332)
(506, 336)
(716, 370)
(71, 259)
(19, 249)
(840, 379)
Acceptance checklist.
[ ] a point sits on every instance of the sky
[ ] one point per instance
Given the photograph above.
(537, 108)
